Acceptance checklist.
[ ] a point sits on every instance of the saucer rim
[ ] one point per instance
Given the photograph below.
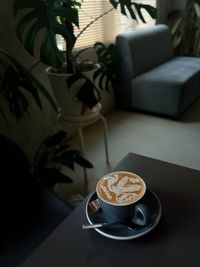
(131, 236)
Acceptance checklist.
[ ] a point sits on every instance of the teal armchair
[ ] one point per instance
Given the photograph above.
(151, 78)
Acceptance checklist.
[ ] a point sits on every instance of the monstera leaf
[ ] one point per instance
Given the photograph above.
(126, 6)
(88, 94)
(59, 17)
(15, 80)
(54, 153)
(109, 61)
(46, 15)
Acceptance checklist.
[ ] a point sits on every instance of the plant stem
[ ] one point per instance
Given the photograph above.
(93, 21)
(34, 65)
(35, 160)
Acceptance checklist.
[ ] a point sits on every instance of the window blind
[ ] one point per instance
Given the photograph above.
(107, 27)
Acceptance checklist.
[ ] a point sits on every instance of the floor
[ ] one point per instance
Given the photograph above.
(176, 141)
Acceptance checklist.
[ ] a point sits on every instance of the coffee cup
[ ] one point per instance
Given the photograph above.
(118, 194)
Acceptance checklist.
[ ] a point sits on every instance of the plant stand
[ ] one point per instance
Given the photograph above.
(79, 122)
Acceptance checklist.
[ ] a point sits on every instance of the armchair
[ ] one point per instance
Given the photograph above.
(151, 78)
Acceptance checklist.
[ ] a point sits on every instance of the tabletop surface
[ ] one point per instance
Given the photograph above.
(174, 242)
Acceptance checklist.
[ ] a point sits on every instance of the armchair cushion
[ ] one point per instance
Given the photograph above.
(168, 88)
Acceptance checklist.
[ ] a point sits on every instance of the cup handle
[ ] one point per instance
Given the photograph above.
(141, 215)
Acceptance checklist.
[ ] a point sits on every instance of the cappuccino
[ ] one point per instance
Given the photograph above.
(121, 188)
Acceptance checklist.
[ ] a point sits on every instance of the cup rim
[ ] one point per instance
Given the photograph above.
(124, 204)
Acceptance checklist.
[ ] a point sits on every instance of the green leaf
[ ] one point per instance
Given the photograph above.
(127, 5)
(67, 158)
(22, 4)
(18, 103)
(101, 80)
(138, 9)
(45, 93)
(16, 79)
(11, 86)
(61, 149)
(86, 93)
(33, 81)
(114, 3)
(96, 73)
(107, 83)
(31, 36)
(109, 60)
(83, 162)
(3, 62)
(86, 90)
(66, 34)
(197, 9)
(31, 89)
(39, 14)
(49, 52)
(55, 139)
(67, 13)
(177, 39)
(51, 176)
(150, 9)
(26, 20)
(176, 25)
(72, 79)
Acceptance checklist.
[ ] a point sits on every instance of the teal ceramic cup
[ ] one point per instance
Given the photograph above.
(119, 194)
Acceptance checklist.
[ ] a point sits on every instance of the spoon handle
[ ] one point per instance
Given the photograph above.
(91, 226)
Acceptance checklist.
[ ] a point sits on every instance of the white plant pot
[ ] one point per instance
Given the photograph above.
(65, 98)
(71, 108)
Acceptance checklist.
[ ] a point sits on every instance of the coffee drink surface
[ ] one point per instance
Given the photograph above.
(121, 188)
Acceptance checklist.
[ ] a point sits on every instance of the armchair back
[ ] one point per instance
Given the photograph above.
(143, 49)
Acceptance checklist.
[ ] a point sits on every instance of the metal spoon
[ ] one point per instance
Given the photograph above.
(95, 225)
(130, 225)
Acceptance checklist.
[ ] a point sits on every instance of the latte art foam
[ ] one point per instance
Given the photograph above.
(121, 188)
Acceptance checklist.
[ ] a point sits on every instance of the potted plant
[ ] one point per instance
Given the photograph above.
(54, 152)
(61, 17)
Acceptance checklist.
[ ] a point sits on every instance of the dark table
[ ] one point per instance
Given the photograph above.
(174, 242)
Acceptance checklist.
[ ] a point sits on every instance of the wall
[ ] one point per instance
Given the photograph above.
(178, 4)
(165, 6)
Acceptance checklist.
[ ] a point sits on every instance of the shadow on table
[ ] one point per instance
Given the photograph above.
(178, 210)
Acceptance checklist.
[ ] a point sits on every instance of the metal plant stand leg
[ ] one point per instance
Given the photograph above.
(79, 122)
(105, 138)
(81, 139)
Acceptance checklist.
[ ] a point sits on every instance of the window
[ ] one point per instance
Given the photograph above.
(106, 28)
